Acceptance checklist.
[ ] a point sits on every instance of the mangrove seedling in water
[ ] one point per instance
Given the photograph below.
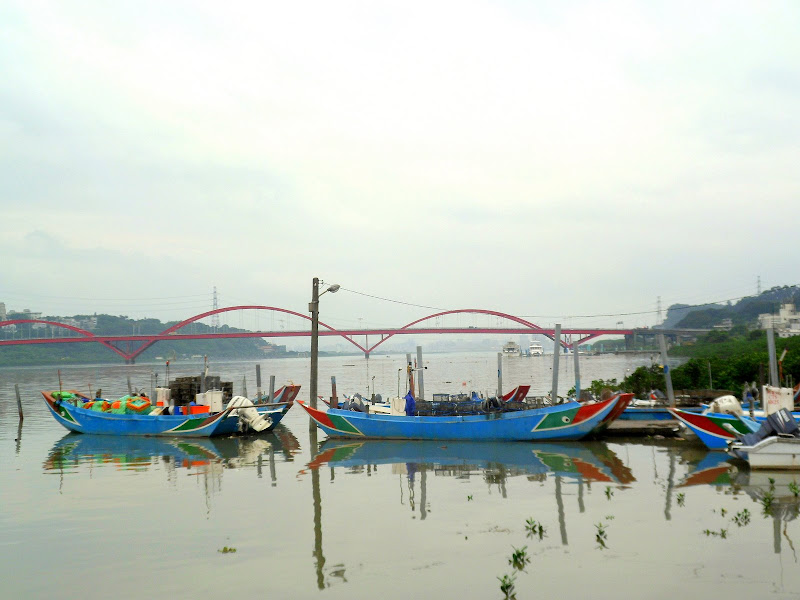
(742, 518)
(681, 499)
(766, 502)
(601, 535)
(771, 483)
(226, 550)
(519, 558)
(534, 528)
(722, 533)
(507, 586)
(609, 492)
(469, 497)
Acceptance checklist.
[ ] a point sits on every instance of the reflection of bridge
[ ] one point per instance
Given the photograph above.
(131, 346)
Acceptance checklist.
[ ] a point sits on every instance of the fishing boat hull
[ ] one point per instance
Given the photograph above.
(772, 453)
(283, 399)
(623, 400)
(715, 430)
(569, 421)
(82, 420)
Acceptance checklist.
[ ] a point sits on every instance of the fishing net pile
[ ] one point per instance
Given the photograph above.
(469, 407)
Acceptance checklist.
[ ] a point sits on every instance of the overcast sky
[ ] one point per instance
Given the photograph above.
(548, 159)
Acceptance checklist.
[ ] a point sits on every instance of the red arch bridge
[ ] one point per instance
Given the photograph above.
(131, 346)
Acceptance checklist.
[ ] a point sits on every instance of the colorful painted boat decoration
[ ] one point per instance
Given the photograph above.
(715, 430)
(568, 421)
(82, 420)
(624, 400)
(653, 413)
(282, 401)
(579, 460)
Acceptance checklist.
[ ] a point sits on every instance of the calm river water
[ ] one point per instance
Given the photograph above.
(99, 517)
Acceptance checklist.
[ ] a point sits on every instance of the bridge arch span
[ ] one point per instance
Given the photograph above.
(88, 334)
(217, 311)
(481, 311)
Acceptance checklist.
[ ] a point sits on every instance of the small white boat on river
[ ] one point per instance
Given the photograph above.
(775, 445)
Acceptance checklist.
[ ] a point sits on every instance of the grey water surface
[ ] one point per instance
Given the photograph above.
(98, 516)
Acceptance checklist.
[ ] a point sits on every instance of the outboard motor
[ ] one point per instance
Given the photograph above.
(356, 404)
(248, 415)
(491, 405)
(778, 423)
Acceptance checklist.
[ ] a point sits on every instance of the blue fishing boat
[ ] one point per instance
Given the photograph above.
(568, 421)
(74, 411)
(282, 401)
(715, 430)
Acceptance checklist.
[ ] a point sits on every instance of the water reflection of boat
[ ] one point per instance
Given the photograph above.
(128, 452)
(778, 486)
(712, 468)
(139, 453)
(587, 461)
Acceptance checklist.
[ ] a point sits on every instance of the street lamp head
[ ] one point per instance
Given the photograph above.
(334, 288)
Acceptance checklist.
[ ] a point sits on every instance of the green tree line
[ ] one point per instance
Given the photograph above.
(724, 360)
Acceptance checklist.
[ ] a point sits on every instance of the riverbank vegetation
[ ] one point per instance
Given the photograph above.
(724, 360)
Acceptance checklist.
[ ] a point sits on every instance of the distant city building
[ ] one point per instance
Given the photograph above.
(786, 323)
(724, 325)
(24, 314)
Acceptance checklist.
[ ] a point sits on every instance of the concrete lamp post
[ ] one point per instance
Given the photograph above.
(313, 308)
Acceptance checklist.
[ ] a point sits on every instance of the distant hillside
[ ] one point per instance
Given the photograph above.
(231, 348)
(744, 312)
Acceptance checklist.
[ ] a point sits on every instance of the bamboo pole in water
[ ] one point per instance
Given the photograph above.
(556, 354)
(577, 372)
(420, 379)
(19, 401)
(667, 375)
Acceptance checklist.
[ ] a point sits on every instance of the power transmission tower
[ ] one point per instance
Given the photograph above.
(215, 317)
(659, 310)
(758, 285)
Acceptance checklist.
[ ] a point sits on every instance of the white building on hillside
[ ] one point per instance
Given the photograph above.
(786, 323)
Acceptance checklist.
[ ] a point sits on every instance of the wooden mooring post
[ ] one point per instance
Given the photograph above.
(272, 388)
(258, 383)
(499, 375)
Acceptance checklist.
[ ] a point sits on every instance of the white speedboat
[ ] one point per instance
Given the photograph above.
(776, 444)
